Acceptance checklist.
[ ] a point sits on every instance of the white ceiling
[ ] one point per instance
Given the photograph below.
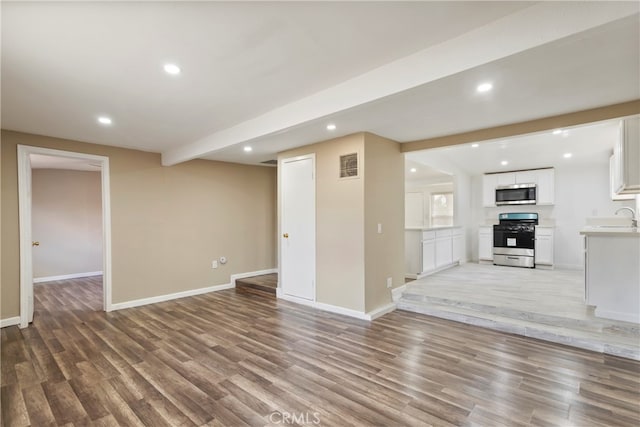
(588, 145)
(273, 74)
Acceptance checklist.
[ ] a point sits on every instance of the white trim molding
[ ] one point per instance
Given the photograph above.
(169, 297)
(24, 208)
(396, 293)
(66, 276)
(9, 321)
(235, 277)
(380, 311)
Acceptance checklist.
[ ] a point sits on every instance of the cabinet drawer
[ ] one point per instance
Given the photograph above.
(443, 233)
(544, 231)
(456, 232)
(428, 235)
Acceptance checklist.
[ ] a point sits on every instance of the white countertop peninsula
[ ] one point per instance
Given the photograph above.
(612, 272)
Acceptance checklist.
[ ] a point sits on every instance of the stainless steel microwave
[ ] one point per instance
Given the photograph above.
(516, 194)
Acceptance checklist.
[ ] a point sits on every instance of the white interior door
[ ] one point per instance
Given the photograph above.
(298, 228)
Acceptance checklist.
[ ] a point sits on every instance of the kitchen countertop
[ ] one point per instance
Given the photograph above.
(610, 231)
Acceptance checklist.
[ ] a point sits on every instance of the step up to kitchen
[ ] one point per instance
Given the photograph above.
(614, 338)
(262, 285)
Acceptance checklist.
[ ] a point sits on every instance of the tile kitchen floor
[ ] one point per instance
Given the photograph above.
(545, 304)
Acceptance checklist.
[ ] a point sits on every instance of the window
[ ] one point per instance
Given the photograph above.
(441, 209)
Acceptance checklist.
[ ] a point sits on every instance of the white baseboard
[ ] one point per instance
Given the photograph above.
(9, 321)
(569, 266)
(235, 277)
(617, 315)
(169, 297)
(411, 276)
(381, 311)
(66, 276)
(396, 293)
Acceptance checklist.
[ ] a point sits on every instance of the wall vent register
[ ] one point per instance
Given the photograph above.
(349, 165)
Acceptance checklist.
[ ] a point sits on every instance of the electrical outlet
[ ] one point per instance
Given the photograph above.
(379, 228)
(389, 282)
(214, 263)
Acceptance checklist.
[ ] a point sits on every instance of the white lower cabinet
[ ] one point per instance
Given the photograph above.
(440, 249)
(444, 248)
(457, 245)
(544, 246)
(485, 243)
(429, 255)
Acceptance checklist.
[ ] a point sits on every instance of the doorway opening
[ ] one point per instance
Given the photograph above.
(64, 204)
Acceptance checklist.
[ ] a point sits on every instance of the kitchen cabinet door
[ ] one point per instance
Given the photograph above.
(428, 255)
(489, 183)
(612, 183)
(544, 246)
(527, 177)
(627, 157)
(508, 178)
(485, 243)
(546, 186)
(444, 251)
(457, 248)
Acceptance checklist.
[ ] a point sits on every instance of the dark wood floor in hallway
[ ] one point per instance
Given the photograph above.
(233, 359)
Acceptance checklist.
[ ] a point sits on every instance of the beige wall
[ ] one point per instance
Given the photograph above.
(168, 223)
(353, 260)
(339, 224)
(66, 218)
(384, 204)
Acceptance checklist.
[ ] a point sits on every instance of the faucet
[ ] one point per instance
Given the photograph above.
(634, 221)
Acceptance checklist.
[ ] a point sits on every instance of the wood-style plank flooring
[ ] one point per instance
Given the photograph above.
(233, 359)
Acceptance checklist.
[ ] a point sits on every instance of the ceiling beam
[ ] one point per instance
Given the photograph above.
(547, 123)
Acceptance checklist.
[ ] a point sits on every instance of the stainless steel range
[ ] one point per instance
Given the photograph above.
(514, 240)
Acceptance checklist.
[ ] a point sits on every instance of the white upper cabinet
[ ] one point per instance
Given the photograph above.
(527, 177)
(489, 183)
(508, 178)
(543, 178)
(626, 158)
(546, 186)
(612, 186)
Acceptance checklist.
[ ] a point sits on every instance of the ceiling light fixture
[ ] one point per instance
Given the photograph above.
(557, 132)
(103, 120)
(475, 145)
(331, 126)
(567, 155)
(484, 87)
(172, 69)
(413, 170)
(504, 163)
(247, 149)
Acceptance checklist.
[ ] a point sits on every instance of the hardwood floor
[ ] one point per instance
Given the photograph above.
(230, 359)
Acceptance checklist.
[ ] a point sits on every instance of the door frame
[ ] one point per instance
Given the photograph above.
(24, 207)
(281, 162)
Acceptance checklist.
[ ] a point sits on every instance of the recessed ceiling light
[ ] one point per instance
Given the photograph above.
(247, 149)
(331, 126)
(567, 155)
(413, 170)
(557, 132)
(172, 69)
(484, 87)
(475, 145)
(104, 120)
(504, 163)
